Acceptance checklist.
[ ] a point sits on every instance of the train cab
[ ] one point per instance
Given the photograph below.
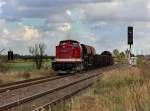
(68, 51)
(68, 55)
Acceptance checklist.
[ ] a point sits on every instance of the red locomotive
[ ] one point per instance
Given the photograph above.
(71, 56)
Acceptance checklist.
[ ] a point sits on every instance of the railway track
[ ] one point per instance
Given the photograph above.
(21, 84)
(38, 93)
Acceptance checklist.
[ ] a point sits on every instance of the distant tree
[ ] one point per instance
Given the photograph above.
(116, 52)
(119, 56)
(38, 51)
(122, 55)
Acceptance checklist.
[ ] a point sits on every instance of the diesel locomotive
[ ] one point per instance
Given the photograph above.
(72, 56)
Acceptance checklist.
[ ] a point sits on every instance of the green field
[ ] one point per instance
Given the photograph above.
(26, 66)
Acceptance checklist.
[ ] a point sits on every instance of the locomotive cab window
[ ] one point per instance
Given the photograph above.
(75, 44)
(63, 42)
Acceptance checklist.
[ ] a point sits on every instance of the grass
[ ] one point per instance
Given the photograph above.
(123, 89)
(19, 76)
(22, 70)
(3, 68)
(22, 66)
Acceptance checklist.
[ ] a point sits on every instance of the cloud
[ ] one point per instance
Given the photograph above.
(30, 33)
(21, 33)
(17, 9)
(101, 23)
(21, 37)
(4, 42)
(121, 10)
(49, 3)
(1, 4)
(65, 27)
(93, 9)
(5, 31)
(68, 12)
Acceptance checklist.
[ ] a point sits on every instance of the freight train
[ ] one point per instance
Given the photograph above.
(72, 56)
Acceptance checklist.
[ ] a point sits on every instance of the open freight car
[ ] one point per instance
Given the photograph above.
(105, 59)
(71, 56)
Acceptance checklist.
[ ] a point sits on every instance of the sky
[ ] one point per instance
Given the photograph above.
(99, 23)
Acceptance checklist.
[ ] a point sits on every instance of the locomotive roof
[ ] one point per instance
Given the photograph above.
(68, 40)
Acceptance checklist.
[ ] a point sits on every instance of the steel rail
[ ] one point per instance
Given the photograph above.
(33, 97)
(67, 96)
(21, 84)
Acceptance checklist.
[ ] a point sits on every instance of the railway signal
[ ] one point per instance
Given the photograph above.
(132, 59)
(130, 36)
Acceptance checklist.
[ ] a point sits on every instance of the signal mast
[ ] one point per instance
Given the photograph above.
(130, 39)
(131, 58)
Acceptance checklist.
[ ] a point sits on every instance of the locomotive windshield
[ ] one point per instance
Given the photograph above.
(63, 42)
(74, 43)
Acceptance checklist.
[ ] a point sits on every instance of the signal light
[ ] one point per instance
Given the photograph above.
(130, 35)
